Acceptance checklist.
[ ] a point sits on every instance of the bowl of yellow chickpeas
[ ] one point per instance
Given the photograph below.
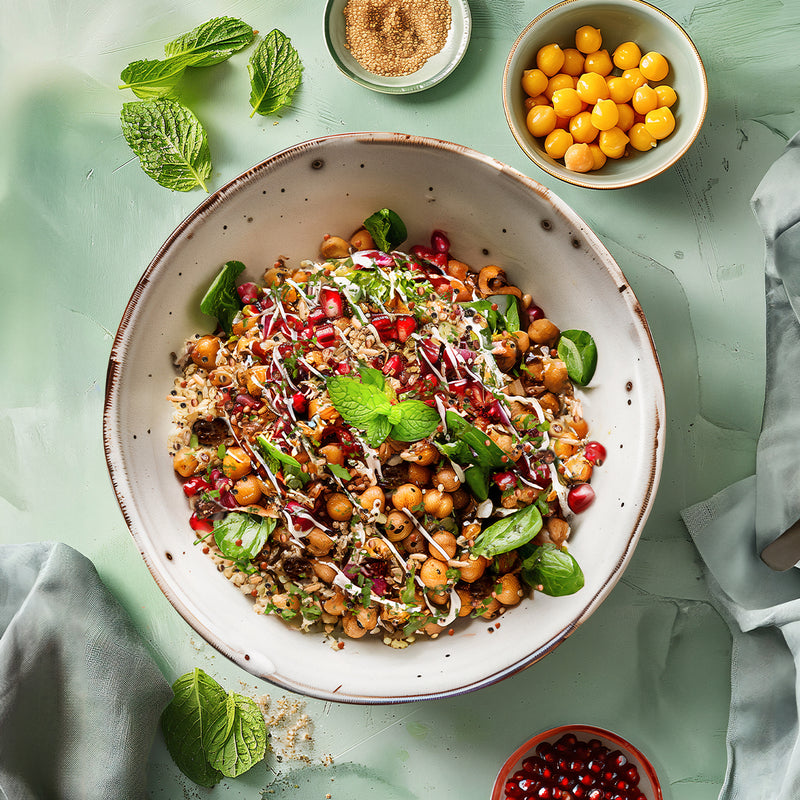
(604, 94)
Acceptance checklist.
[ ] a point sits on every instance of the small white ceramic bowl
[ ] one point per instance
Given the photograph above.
(619, 21)
(435, 69)
(648, 783)
(492, 214)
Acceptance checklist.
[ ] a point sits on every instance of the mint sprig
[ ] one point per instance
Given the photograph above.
(366, 405)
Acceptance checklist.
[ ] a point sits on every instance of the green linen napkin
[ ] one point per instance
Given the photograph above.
(80, 697)
(762, 607)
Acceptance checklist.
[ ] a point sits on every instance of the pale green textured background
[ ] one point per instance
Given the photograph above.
(79, 223)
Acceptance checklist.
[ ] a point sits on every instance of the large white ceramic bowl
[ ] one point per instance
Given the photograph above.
(492, 214)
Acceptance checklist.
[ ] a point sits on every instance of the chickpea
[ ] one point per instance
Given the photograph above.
(419, 476)
(422, 453)
(510, 591)
(318, 543)
(334, 247)
(578, 468)
(362, 240)
(556, 378)
(398, 526)
(543, 331)
(184, 462)
(236, 463)
(580, 426)
(220, 378)
(557, 530)
(437, 503)
(432, 629)
(335, 605)
(446, 480)
(357, 623)
(372, 499)
(415, 542)
(489, 606)
(433, 573)
(475, 568)
(471, 531)
(255, 379)
(523, 341)
(204, 352)
(324, 571)
(446, 542)
(247, 490)
(564, 449)
(276, 275)
(333, 454)
(466, 602)
(578, 158)
(549, 402)
(286, 602)
(461, 498)
(377, 548)
(339, 507)
(406, 496)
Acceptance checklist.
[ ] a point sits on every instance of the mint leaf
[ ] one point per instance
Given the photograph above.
(236, 735)
(357, 402)
(275, 73)
(197, 700)
(556, 571)
(340, 472)
(169, 141)
(212, 42)
(378, 429)
(148, 79)
(251, 533)
(277, 457)
(372, 377)
(417, 421)
(509, 533)
(221, 299)
(578, 351)
(387, 229)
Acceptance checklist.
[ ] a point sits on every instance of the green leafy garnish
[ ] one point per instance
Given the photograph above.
(366, 405)
(554, 571)
(277, 459)
(211, 733)
(221, 299)
(372, 376)
(509, 533)
(275, 73)
(169, 141)
(388, 231)
(340, 472)
(154, 78)
(578, 351)
(240, 537)
(212, 42)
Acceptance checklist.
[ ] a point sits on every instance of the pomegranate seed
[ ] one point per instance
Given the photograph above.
(533, 313)
(299, 402)
(631, 774)
(513, 790)
(385, 326)
(439, 242)
(315, 317)
(394, 365)
(343, 368)
(326, 335)
(595, 453)
(248, 292)
(406, 325)
(227, 500)
(579, 498)
(440, 259)
(420, 251)
(200, 525)
(195, 485)
(616, 758)
(331, 302)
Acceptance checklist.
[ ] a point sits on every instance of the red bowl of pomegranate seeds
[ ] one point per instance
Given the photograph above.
(577, 762)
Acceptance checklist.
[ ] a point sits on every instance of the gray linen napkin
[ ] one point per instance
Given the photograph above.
(80, 697)
(762, 607)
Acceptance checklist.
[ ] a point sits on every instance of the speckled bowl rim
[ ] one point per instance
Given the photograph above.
(406, 84)
(579, 179)
(589, 730)
(113, 442)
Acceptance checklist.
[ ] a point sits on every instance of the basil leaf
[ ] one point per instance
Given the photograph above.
(378, 429)
(275, 455)
(484, 451)
(578, 351)
(236, 735)
(151, 78)
(197, 699)
(556, 571)
(357, 402)
(212, 42)
(509, 533)
(275, 73)
(169, 141)
(418, 420)
(372, 377)
(340, 472)
(251, 532)
(221, 299)
(478, 481)
(387, 229)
